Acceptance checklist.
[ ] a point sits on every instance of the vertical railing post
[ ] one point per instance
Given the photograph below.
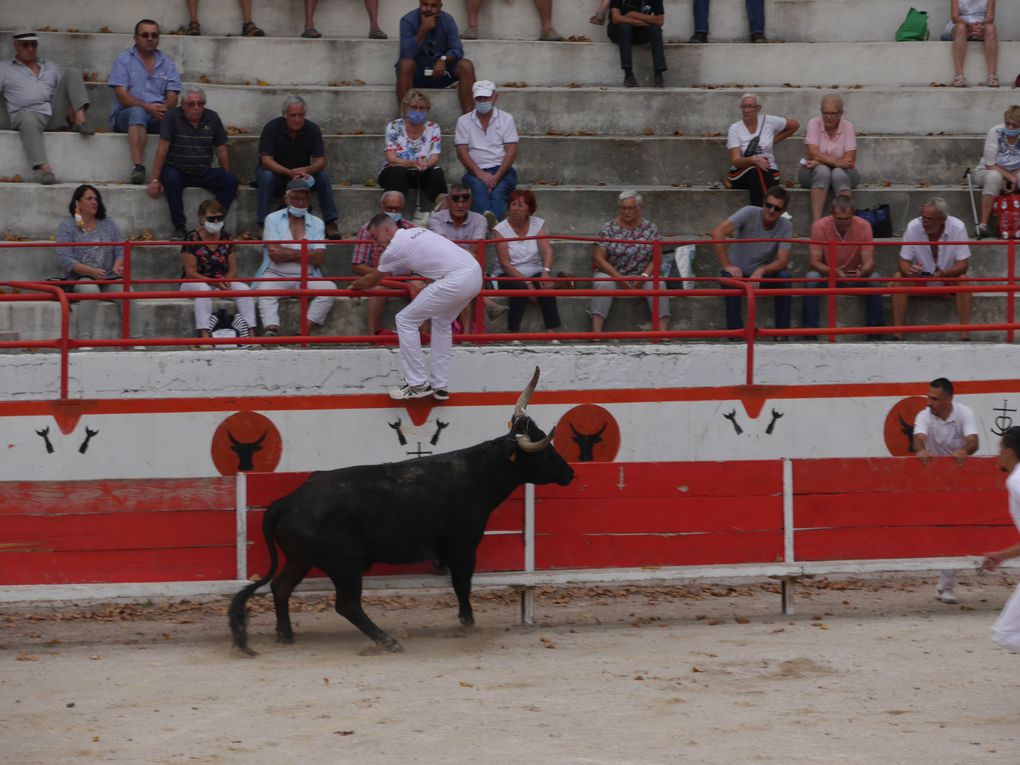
(303, 300)
(241, 525)
(125, 306)
(830, 259)
(750, 330)
(478, 322)
(656, 280)
(1011, 281)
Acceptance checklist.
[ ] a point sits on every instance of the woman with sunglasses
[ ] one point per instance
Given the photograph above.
(413, 144)
(97, 260)
(207, 256)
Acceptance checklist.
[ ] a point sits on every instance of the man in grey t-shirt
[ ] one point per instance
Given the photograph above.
(757, 260)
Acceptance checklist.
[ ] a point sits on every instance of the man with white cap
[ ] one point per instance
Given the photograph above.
(486, 141)
(456, 279)
(40, 97)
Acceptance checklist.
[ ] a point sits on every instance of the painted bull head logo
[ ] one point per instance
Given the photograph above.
(245, 452)
(586, 442)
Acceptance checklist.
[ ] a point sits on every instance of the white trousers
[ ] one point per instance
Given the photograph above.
(442, 301)
(318, 308)
(203, 306)
(1006, 630)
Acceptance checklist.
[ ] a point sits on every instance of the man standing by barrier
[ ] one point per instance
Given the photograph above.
(456, 280)
(1006, 631)
(945, 429)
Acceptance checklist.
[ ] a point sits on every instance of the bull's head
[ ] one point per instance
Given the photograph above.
(534, 449)
(586, 442)
(245, 452)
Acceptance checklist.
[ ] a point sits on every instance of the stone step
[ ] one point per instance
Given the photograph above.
(175, 318)
(628, 161)
(613, 110)
(285, 61)
(35, 211)
(152, 262)
(790, 20)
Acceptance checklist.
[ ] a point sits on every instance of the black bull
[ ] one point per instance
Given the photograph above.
(434, 508)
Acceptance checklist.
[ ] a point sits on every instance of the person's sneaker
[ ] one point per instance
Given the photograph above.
(699, 37)
(550, 35)
(470, 33)
(494, 310)
(48, 179)
(138, 175)
(180, 233)
(659, 81)
(441, 394)
(946, 596)
(83, 129)
(332, 232)
(759, 37)
(411, 391)
(629, 80)
(981, 231)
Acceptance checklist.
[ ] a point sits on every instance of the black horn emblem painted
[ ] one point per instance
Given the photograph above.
(732, 417)
(439, 429)
(586, 442)
(245, 452)
(772, 423)
(400, 434)
(45, 433)
(89, 433)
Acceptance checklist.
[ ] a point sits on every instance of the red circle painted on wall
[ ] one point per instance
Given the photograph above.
(587, 433)
(899, 425)
(246, 442)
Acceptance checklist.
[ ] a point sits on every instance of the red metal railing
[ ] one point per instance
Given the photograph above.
(661, 287)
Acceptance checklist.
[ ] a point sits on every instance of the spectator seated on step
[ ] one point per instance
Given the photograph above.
(830, 156)
(544, 8)
(188, 138)
(973, 20)
(999, 168)
(291, 147)
(935, 257)
(366, 256)
(40, 97)
(486, 140)
(145, 85)
(413, 145)
(615, 258)
(636, 22)
(431, 55)
(755, 21)
(750, 142)
(282, 262)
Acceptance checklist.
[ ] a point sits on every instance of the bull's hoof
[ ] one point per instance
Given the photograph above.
(391, 645)
(285, 639)
(246, 651)
(467, 621)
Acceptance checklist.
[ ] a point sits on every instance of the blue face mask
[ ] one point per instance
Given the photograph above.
(484, 107)
(395, 217)
(1011, 133)
(416, 118)
(297, 212)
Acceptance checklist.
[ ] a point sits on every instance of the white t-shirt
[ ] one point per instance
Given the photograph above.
(943, 437)
(523, 255)
(486, 147)
(420, 251)
(739, 136)
(1013, 487)
(949, 254)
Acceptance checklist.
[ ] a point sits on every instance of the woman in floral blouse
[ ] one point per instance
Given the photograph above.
(617, 260)
(207, 256)
(413, 143)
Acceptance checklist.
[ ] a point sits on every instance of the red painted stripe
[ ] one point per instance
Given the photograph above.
(115, 496)
(657, 515)
(755, 393)
(894, 474)
(978, 508)
(560, 551)
(266, 488)
(613, 480)
(94, 566)
(899, 542)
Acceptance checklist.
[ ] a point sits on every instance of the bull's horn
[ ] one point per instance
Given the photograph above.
(530, 447)
(522, 402)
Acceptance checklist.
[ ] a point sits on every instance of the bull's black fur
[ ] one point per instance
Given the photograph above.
(434, 508)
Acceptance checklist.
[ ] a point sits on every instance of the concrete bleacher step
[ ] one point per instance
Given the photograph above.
(791, 20)
(175, 318)
(278, 61)
(568, 209)
(614, 161)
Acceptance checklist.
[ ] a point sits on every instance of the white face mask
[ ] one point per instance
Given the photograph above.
(297, 212)
(213, 228)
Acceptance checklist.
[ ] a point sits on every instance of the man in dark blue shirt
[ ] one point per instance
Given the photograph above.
(431, 55)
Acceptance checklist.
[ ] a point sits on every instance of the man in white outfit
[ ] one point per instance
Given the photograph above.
(456, 279)
(1006, 631)
(945, 429)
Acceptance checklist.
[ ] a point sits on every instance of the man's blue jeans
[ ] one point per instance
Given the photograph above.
(783, 303)
(872, 303)
(272, 185)
(496, 200)
(755, 16)
(221, 183)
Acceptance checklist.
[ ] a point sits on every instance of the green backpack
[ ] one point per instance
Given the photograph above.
(914, 26)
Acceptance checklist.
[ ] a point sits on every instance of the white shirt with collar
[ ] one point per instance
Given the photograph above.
(487, 148)
(943, 437)
(23, 89)
(949, 254)
(277, 228)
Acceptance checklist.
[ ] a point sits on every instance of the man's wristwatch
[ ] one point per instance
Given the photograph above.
(443, 59)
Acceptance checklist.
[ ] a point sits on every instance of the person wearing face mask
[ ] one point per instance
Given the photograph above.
(366, 258)
(413, 143)
(486, 141)
(854, 262)
(999, 167)
(281, 263)
(210, 256)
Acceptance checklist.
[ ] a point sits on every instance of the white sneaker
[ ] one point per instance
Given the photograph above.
(946, 596)
(411, 391)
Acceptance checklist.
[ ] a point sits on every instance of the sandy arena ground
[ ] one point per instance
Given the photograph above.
(869, 671)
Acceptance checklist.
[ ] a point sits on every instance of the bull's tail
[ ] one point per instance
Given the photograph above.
(238, 613)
